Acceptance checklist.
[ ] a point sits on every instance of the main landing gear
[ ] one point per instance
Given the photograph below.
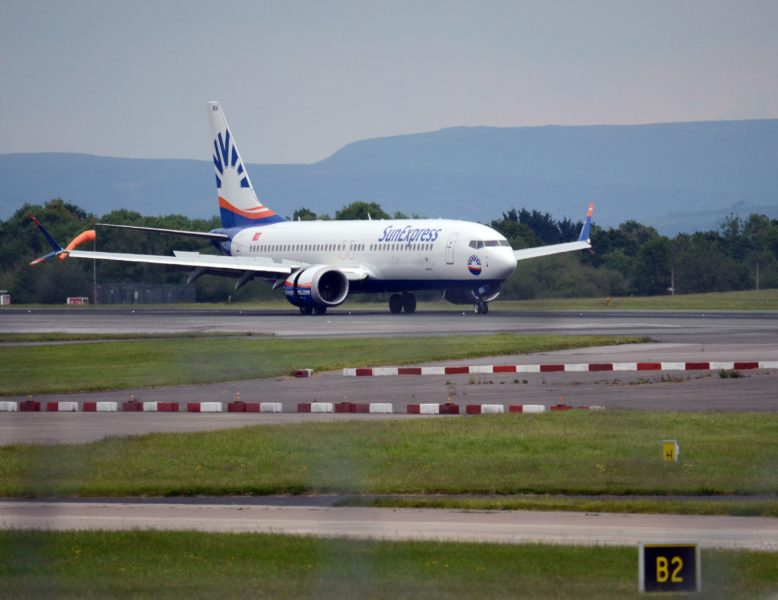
(480, 307)
(402, 302)
(313, 310)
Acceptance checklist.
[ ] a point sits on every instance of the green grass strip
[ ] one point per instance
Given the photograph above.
(158, 362)
(147, 564)
(572, 453)
(762, 300)
(671, 505)
(93, 337)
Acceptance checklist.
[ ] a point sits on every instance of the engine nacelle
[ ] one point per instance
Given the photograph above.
(319, 285)
(487, 293)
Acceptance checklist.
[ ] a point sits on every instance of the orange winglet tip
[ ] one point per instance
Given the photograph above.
(81, 238)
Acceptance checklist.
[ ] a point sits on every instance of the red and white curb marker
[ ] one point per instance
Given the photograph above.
(205, 407)
(160, 407)
(428, 408)
(560, 368)
(101, 406)
(62, 406)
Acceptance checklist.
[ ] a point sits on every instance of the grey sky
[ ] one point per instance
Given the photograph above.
(298, 80)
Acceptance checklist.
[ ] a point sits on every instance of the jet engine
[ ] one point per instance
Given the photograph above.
(485, 293)
(316, 287)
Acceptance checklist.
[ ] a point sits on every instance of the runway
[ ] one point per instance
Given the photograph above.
(509, 527)
(666, 326)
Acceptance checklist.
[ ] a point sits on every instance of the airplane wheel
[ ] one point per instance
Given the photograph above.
(319, 310)
(480, 308)
(395, 304)
(409, 303)
(306, 310)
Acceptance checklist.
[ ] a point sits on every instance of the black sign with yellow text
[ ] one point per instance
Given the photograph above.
(669, 568)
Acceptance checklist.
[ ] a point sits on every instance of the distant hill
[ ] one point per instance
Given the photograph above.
(676, 177)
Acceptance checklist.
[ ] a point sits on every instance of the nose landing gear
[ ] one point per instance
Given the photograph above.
(480, 307)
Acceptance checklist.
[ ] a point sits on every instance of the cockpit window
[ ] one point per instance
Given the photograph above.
(476, 244)
(505, 243)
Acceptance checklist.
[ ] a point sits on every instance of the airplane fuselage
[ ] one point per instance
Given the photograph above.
(319, 263)
(395, 254)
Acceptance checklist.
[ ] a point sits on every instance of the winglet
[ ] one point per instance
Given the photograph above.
(56, 248)
(587, 226)
(81, 238)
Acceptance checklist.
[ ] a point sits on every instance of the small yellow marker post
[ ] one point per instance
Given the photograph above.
(670, 450)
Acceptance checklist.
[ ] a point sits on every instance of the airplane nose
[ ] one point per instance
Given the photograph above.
(502, 264)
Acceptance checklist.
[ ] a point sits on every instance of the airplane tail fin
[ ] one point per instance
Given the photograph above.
(238, 203)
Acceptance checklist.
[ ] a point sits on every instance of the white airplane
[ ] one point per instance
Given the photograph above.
(320, 262)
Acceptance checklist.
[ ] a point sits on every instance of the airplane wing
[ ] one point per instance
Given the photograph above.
(209, 235)
(226, 265)
(244, 268)
(583, 243)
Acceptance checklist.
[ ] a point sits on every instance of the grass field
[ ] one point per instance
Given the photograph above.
(141, 564)
(580, 453)
(176, 361)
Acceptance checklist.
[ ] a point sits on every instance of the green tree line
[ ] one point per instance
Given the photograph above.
(630, 259)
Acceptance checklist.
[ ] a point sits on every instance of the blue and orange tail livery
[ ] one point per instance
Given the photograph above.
(238, 203)
(587, 226)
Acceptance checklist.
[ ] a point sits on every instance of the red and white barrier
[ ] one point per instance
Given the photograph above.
(160, 407)
(271, 407)
(62, 406)
(429, 408)
(205, 407)
(9, 406)
(560, 368)
(381, 408)
(352, 407)
(485, 409)
(240, 406)
(527, 408)
(315, 407)
(100, 406)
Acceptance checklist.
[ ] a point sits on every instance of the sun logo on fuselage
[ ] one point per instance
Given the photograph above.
(474, 265)
(226, 157)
